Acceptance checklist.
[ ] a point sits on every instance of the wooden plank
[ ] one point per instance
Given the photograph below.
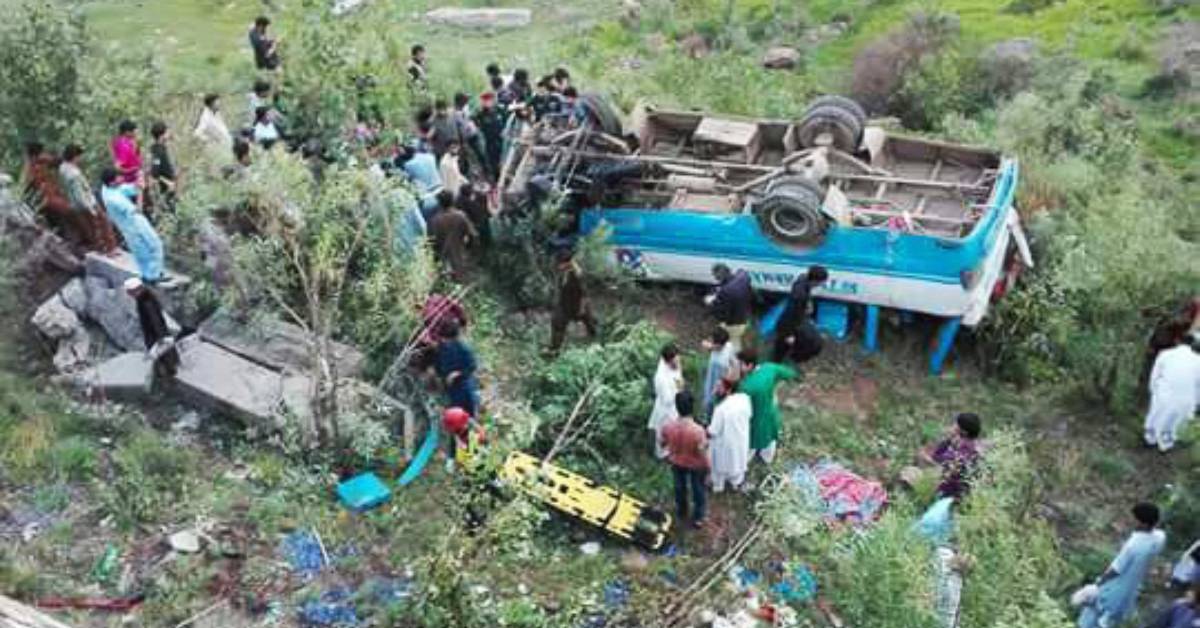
(942, 185)
(933, 175)
(14, 614)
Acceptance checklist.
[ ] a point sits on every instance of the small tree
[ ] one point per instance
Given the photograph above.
(315, 245)
(58, 86)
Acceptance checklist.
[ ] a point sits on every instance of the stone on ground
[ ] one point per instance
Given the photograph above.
(74, 295)
(74, 351)
(126, 376)
(480, 18)
(185, 542)
(781, 58)
(55, 320)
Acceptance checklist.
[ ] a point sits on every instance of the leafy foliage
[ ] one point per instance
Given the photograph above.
(62, 87)
(619, 371)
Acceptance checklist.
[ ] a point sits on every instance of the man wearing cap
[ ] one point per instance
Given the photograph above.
(1174, 392)
(160, 343)
(490, 122)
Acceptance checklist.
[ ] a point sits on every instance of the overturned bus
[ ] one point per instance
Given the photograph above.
(917, 225)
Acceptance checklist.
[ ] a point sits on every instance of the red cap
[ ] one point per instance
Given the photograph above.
(486, 96)
(455, 419)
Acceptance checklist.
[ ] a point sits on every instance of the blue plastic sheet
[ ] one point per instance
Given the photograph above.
(937, 524)
(798, 586)
(334, 608)
(303, 553)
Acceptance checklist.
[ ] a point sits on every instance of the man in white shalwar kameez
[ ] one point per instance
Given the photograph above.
(1174, 392)
(729, 438)
(668, 381)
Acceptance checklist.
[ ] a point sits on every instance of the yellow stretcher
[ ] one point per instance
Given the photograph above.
(580, 498)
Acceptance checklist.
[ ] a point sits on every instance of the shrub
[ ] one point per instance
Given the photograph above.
(1002, 539)
(59, 86)
(620, 370)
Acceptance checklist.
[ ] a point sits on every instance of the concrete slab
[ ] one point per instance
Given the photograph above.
(480, 18)
(275, 344)
(127, 376)
(229, 382)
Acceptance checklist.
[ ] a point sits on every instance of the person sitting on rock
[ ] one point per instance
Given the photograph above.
(141, 239)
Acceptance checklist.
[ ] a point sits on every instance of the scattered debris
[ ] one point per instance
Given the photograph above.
(363, 492)
(480, 18)
(335, 607)
(121, 604)
(106, 565)
(591, 548)
(634, 561)
(303, 553)
(847, 496)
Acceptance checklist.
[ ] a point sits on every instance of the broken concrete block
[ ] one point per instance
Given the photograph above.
(54, 319)
(129, 375)
(275, 344)
(229, 382)
(480, 18)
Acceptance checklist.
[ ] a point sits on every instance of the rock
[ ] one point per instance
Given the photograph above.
(115, 311)
(342, 7)
(910, 476)
(1179, 54)
(74, 351)
(275, 344)
(695, 46)
(631, 14)
(122, 266)
(781, 58)
(634, 561)
(591, 548)
(188, 422)
(480, 18)
(127, 376)
(185, 542)
(74, 295)
(55, 320)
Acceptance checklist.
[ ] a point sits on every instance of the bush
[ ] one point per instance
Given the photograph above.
(621, 371)
(59, 86)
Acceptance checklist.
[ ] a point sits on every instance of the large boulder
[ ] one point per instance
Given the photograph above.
(55, 320)
(781, 58)
(480, 18)
(114, 310)
(127, 376)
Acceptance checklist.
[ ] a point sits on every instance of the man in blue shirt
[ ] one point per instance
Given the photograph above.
(455, 365)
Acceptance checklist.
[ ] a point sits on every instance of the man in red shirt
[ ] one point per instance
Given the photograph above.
(687, 451)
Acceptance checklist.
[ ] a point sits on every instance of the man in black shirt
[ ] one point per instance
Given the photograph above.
(265, 56)
(732, 302)
(162, 169)
(795, 335)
